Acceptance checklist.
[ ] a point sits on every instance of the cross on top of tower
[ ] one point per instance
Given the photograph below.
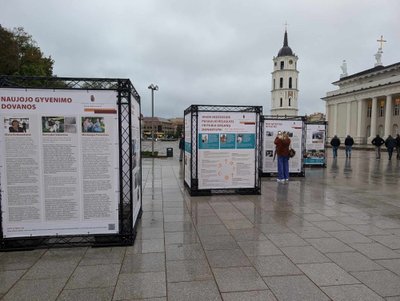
(381, 41)
(286, 25)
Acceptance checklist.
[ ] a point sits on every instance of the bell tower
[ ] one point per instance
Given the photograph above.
(284, 90)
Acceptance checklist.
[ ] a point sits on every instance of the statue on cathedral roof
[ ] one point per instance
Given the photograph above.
(344, 69)
(378, 57)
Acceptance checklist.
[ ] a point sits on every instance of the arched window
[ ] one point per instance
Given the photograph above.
(281, 82)
(290, 102)
(282, 65)
(290, 83)
(281, 103)
(274, 84)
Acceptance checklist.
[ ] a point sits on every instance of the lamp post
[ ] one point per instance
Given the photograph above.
(152, 88)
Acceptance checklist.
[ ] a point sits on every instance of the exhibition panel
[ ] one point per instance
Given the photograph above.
(70, 166)
(271, 126)
(315, 154)
(222, 149)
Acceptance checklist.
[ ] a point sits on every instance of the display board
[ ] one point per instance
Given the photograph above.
(188, 149)
(295, 128)
(223, 149)
(70, 161)
(59, 164)
(136, 160)
(227, 142)
(315, 144)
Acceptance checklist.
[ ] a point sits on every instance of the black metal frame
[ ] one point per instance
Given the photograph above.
(127, 227)
(277, 117)
(321, 123)
(194, 110)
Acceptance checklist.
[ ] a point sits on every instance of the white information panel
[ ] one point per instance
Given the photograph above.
(188, 149)
(315, 144)
(59, 162)
(226, 150)
(295, 131)
(136, 168)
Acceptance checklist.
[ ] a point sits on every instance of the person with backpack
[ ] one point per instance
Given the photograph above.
(335, 142)
(378, 142)
(282, 142)
(348, 142)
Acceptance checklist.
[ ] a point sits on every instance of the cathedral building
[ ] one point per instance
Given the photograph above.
(285, 91)
(366, 103)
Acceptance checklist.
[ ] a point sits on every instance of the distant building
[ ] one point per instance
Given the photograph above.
(285, 91)
(316, 117)
(178, 124)
(366, 103)
(162, 127)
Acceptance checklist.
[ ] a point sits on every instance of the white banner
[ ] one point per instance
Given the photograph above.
(59, 162)
(226, 150)
(295, 130)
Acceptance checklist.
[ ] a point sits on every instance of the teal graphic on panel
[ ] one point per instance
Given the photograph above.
(208, 141)
(188, 147)
(245, 141)
(227, 141)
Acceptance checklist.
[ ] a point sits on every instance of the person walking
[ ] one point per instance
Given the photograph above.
(335, 142)
(378, 142)
(348, 142)
(282, 142)
(390, 144)
(181, 147)
(398, 146)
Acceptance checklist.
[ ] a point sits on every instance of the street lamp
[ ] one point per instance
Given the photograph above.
(152, 88)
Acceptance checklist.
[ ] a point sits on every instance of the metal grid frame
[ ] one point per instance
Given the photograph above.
(326, 129)
(194, 110)
(127, 227)
(303, 142)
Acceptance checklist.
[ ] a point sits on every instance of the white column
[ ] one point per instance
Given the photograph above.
(388, 116)
(335, 110)
(348, 120)
(373, 117)
(359, 121)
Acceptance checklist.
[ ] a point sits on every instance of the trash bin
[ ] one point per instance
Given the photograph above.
(170, 152)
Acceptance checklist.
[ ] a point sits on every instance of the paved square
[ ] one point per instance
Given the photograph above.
(333, 235)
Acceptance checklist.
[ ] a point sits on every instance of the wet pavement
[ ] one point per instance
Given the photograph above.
(333, 235)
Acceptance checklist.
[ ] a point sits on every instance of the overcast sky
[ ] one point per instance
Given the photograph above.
(209, 51)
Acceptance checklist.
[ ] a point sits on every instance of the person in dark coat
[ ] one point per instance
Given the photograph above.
(398, 146)
(181, 147)
(378, 142)
(348, 142)
(335, 142)
(390, 144)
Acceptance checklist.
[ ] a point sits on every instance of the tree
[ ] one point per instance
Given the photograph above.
(20, 55)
